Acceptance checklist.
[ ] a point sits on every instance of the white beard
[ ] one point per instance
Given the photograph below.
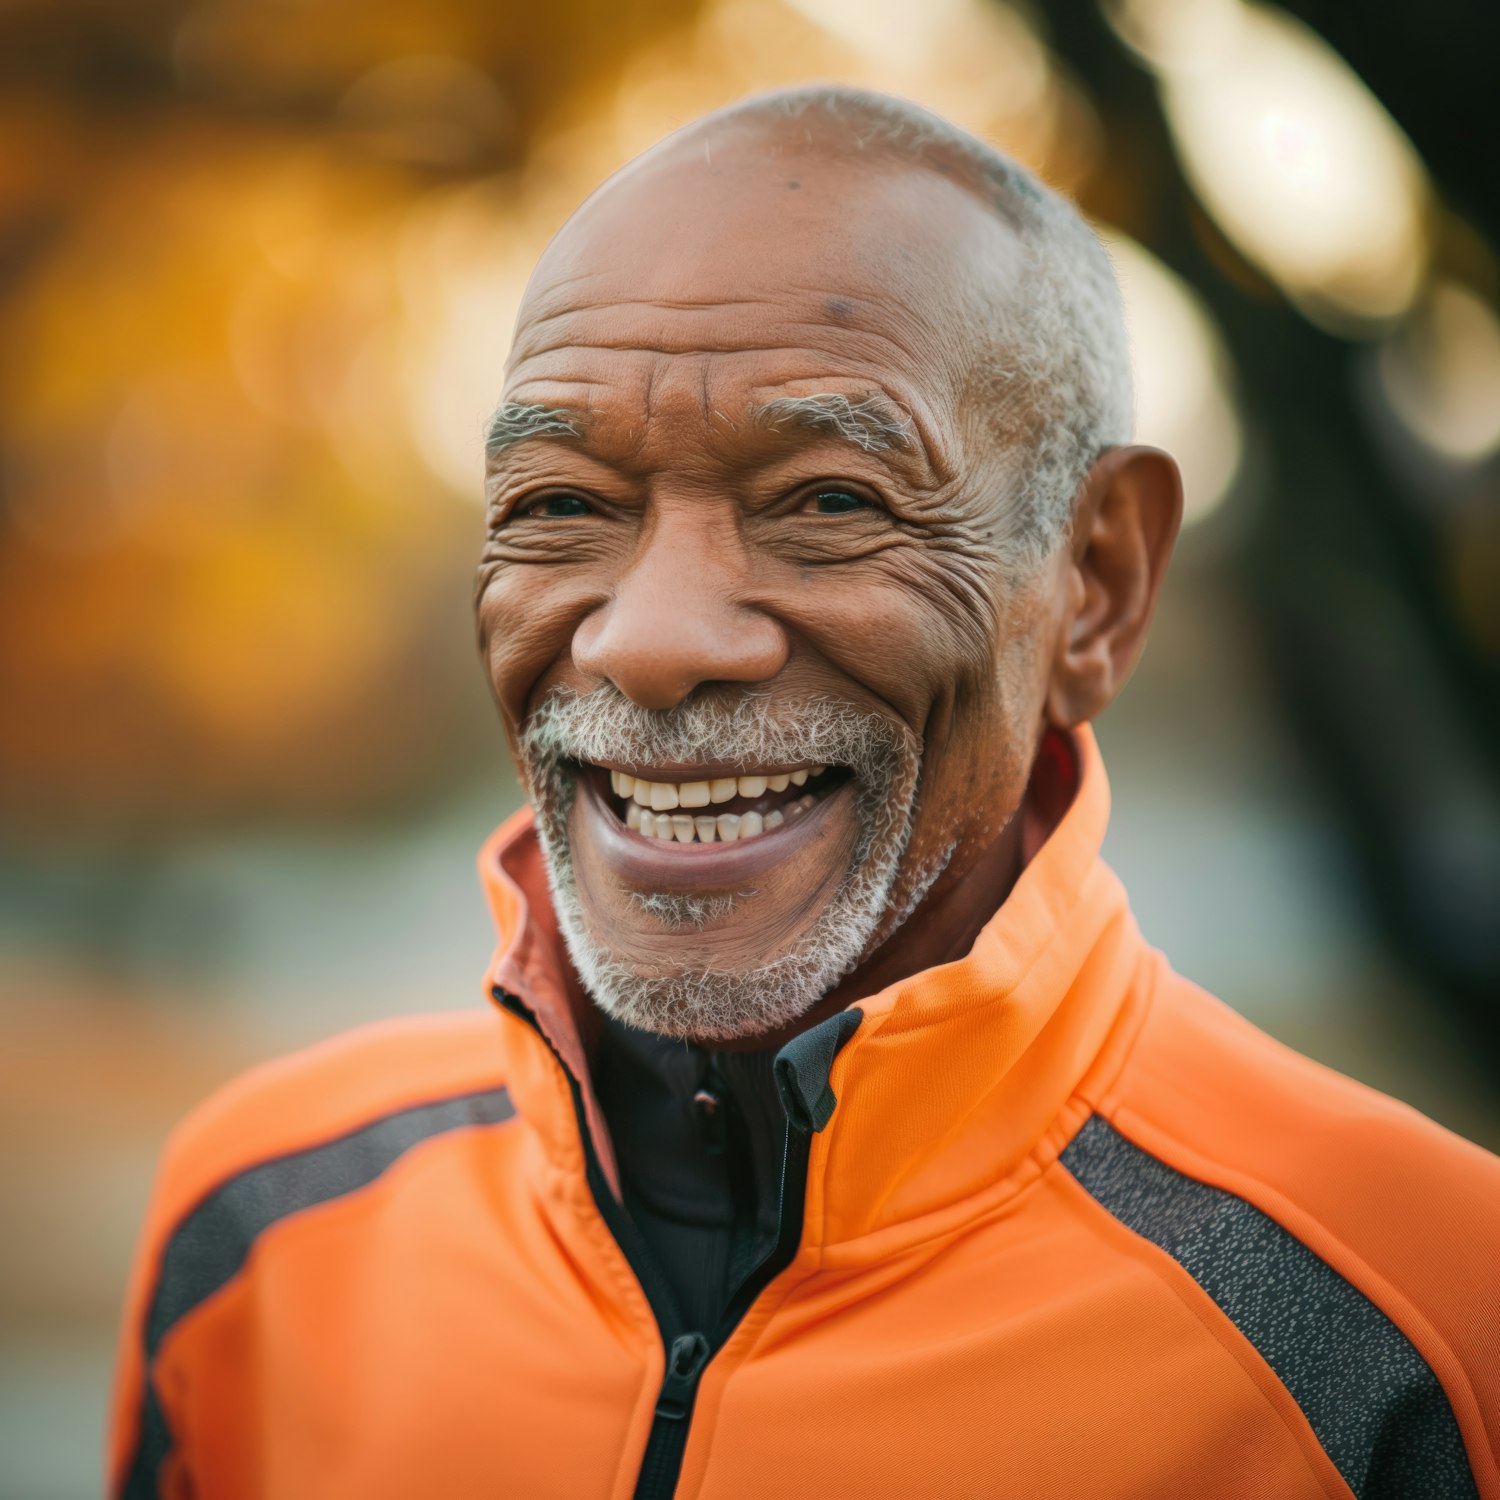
(706, 1003)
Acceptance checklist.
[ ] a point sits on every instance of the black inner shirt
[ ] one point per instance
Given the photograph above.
(699, 1138)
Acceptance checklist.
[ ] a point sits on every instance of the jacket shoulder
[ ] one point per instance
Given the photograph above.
(322, 1093)
(1204, 1075)
(1269, 1176)
(285, 1136)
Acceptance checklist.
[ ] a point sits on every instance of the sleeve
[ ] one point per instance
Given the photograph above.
(228, 1170)
(143, 1461)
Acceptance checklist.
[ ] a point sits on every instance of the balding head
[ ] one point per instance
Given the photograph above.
(1046, 363)
(1052, 366)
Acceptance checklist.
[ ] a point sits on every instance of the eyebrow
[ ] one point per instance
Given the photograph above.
(517, 422)
(873, 424)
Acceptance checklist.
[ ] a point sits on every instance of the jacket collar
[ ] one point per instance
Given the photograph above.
(958, 1081)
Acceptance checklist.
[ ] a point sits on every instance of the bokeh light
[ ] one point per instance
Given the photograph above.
(1440, 372)
(1184, 382)
(1290, 152)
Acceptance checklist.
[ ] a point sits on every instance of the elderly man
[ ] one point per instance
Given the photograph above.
(834, 1132)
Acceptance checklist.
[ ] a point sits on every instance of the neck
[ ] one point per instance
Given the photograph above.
(942, 928)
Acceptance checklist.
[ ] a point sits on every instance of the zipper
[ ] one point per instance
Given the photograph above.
(661, 1463)
(687, 1352)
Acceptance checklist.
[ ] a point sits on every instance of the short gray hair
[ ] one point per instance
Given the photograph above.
(1058, 380)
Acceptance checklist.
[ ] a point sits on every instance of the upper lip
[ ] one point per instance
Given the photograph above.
(681, 771)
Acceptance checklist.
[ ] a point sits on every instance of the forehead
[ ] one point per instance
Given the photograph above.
(730, 274)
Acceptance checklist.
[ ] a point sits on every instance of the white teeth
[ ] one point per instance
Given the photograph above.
(724, 829)
(649, 805)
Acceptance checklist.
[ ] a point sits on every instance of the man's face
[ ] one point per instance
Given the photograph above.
(778, 627)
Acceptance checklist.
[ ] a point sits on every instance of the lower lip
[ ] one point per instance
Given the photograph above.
(664, 864)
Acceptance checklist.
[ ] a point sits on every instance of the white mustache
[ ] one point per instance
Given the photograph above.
(747, 730)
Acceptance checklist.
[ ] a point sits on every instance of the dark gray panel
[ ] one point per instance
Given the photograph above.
(210, 1244)
(1368, 1395)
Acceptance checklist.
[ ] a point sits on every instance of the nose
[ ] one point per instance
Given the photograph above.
(677, 619)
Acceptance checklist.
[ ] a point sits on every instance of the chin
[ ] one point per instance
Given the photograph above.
(719, 898)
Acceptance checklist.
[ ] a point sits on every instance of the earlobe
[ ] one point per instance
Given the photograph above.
(1125, 523)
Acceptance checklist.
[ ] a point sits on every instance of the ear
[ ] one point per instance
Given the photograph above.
(1124, 526)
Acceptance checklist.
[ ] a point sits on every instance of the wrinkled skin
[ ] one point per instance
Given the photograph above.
(678, 543)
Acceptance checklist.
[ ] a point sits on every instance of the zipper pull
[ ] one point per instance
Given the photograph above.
(712, 1116)
(685, 1361)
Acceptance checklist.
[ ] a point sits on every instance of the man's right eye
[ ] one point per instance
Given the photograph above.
(563, 507)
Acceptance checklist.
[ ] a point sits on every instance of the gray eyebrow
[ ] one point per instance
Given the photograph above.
(872, 424)
(516, 421)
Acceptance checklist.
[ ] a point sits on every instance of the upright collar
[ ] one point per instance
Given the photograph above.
(954, 1077)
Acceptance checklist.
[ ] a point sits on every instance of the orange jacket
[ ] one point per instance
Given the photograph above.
(1069, 1228)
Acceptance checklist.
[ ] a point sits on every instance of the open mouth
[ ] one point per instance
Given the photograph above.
(714, 808)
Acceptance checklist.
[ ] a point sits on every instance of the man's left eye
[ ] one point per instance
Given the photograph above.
(835, 502)
(559, 507)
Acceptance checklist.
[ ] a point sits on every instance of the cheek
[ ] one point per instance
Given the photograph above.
(526, 619)
(960, 655)
(918, 630)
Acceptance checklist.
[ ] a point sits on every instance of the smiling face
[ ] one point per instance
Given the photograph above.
(744, 601)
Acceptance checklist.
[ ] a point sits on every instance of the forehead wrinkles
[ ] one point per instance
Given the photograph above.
(643, 410)
(870, 259)
(631, 368)
(830, 324)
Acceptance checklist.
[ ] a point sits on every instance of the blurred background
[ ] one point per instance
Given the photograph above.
(258, 265)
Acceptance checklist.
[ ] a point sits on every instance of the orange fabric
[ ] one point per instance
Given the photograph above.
(961, 1318)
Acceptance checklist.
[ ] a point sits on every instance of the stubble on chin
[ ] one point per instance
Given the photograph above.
(705, 1001)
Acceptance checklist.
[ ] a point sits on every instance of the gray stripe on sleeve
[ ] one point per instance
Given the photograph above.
(1368, 1395)
(213, 1240)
